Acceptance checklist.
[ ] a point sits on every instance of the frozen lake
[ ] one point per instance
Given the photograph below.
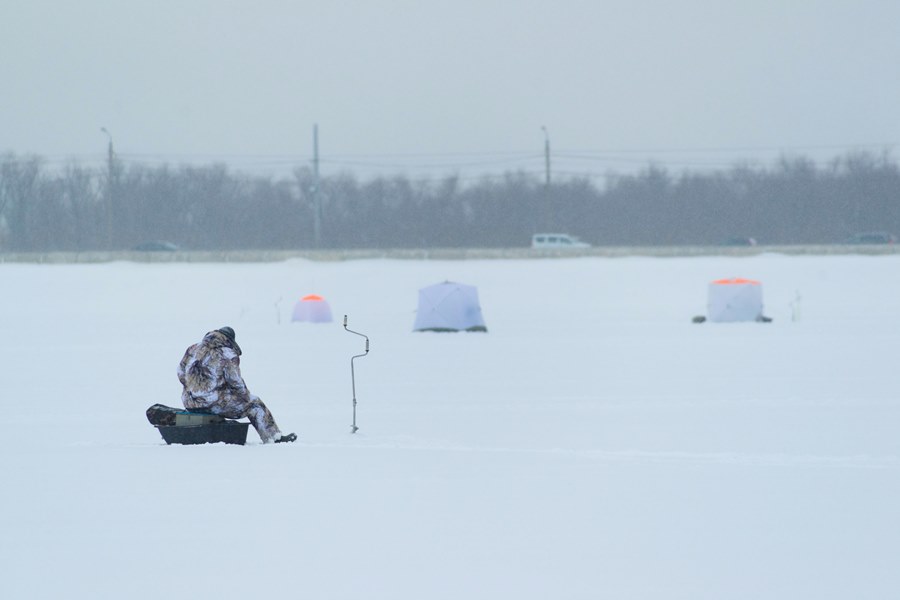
(594, 444)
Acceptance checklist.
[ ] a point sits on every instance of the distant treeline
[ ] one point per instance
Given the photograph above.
(793, 201)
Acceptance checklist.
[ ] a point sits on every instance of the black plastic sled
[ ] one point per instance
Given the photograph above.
(182, 426)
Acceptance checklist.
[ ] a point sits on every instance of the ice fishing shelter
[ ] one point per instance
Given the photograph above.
(312, 309)
(735, 299)
(449, 306)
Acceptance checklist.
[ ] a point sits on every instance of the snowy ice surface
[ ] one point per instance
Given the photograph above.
(594, 444)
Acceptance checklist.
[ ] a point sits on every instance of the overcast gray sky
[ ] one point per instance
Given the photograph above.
(449, 86)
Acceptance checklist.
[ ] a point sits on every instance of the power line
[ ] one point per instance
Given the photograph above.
(730, 149)
(582, 162)
(432, 165)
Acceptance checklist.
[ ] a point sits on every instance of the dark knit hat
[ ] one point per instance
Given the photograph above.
(227, 332)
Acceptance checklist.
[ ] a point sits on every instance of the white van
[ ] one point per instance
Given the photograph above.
(556, 240)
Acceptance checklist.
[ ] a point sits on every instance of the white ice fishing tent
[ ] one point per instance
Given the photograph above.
(312, 309)
(449, 306)
(735, 299)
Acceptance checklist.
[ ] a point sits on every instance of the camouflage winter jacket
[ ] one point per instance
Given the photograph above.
(211, 374)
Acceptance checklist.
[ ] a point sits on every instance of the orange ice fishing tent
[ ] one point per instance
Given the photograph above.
(735, 299)
(312, 309)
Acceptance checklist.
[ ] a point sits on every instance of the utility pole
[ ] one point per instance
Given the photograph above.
(546, 156)
(316, 198)
(544, 213)
(110, 175)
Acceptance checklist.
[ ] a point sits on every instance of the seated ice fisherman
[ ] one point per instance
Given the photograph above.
(211, 375)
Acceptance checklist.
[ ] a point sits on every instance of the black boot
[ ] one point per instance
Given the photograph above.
(291, 437)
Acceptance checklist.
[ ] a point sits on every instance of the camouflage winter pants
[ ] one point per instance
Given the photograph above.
(235, 407)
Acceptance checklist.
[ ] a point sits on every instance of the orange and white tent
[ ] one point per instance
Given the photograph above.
(312, 309)
(734, 299)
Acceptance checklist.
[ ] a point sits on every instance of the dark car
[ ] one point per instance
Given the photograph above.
(156, 246)
(873, 237)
